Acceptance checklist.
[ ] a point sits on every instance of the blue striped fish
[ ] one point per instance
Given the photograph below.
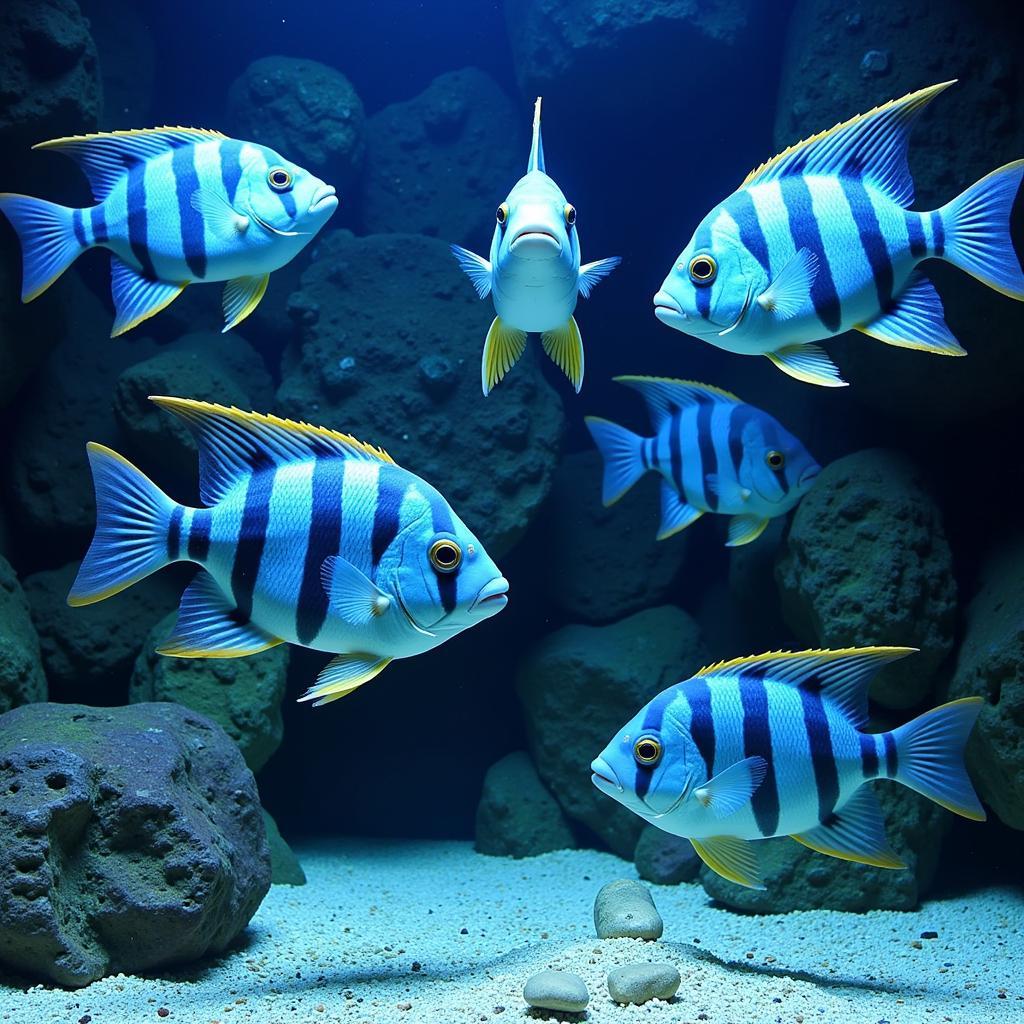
(775, 746)
(175, 206)
(715, 454)
(534, 274)
(306, 536)
(821, 239)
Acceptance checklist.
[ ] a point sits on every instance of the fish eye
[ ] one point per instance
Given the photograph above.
(703, 269)
(775, 459)
(647, 751)
(279, 179)
(502, 214)
(445, 555)
(570, 214)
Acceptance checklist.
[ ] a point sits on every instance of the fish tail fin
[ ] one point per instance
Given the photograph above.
(622, 451)
(49, 241)
(133, 527)
(976, 227)
(930, 756)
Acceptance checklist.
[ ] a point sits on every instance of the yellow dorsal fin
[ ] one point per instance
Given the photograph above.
(662, 394)
(171, 131)
(822, 655)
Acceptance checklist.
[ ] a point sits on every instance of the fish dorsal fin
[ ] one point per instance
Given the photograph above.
(536, 161)
(841, 676)
(663, 394)
(872, 146)
(232, 442)
(104, 156)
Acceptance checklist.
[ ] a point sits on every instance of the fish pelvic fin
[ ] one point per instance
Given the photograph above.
(503, 347)
(52, 237)
(734, 859)
(930, 756)
(342, 675)
(476, 268)
(744, 529)
(856, 832)
(676, 514)
(241, 296)
(976, 231)
(137, 298)
(621, 451)
(809, 363)
(133, 522)
(536, 160)
(564, 347)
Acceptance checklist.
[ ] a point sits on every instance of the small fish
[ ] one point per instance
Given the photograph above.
(774, 746)
(534, 274)
(715, 454)
(307, 536)
(821, 240)
(175, 206)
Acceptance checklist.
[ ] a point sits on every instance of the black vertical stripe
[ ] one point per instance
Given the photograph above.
(78, 227)
(757, 742)
(288, 202)
(701, 243)
(675, 449)
(199, 535)
(138, 231)
(891, 761)
(644, 460)
(390, 490)
(99, 224)
(186, 182)
(803, 227)
(230, 166)
(447, 582)
(323, 540)
(938, 234)
(868, 756)
(708, 458)
(652, 724)
(872, 241)
(740, 207)
(174, 533)
(819, 739)
(251, 539)
(738, 418)
(702, 725)
(915, 234)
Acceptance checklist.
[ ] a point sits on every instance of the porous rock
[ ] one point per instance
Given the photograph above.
(665, 859)
(517, 816)
(624, 909)
(21, 671)
(306, 111)
(605, 562)
(285, 868)
(440, 163)
(131, 839)
(556, 990)
(990, 664)
(580, 685)
(242, 695)
(798, 878)
(390, 351)
(866, 562)
(639, 983)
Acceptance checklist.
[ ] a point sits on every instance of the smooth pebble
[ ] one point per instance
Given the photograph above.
(557, 990)
(624, 909)
(636, 983)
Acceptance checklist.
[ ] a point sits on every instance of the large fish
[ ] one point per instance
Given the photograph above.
(306, 536)
(534, 274)
(775, 746)
(715, 454)
(175, 206)
(821, 240)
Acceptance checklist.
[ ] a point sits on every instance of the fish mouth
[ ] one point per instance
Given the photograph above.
(327, 196)
(492, 598)
(604, 777)
(668, 311)
(535, 239)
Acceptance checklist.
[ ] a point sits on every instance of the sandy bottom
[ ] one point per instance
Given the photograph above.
(432, 933)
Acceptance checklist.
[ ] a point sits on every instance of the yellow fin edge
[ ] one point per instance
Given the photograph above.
(888, 653)
(152, 311)
(710, 388)
(208, 133)
(892, 862)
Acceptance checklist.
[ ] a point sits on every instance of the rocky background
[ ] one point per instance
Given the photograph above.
(911, 535)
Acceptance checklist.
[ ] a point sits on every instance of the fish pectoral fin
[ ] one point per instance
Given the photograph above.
(791, 290)
(917, 321)
(676, 514)
(241, 296)
(732, 858)
(137, 298)
(352, 594)
(728, 491)
(503, 347)
(564, 347)
(808, 363)
(591, 273)
(342, 675)
(744, 529)
(730, 789)
(477, 269)
(209, 626)
(855, 832)
(218, 214)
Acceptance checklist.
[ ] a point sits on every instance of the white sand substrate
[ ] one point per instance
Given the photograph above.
(433, 933)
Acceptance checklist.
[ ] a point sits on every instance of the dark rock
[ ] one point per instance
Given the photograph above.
(131, 839)
(440, 163)
(605, 562)
(242, 695)
(577, 687)
(21, 671)
(517, 816)
(665, 859)
(370, 310)
(866, 562)
(797, 878)
(991, 665)
(306, 111)
(285, 868)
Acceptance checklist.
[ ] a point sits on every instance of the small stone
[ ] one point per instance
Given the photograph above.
(929, 935)
(624, 909)
(637, 983)
(557, 990)
(917, 944)
(874, 62)
(163, 1012)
